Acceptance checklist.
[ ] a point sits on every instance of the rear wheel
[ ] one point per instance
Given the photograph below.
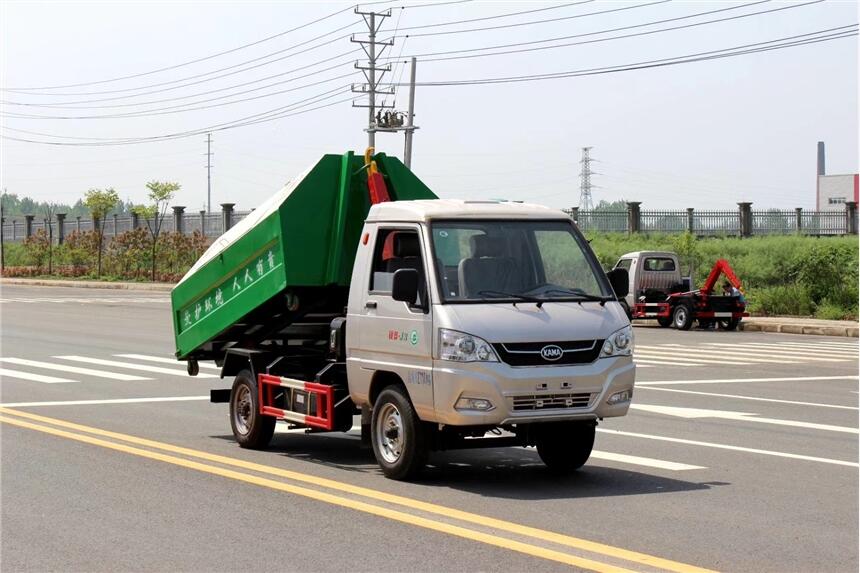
(729, 324)
(664, 321)
(565, 447)
(250, 428)
(682, 317)
(399, 439)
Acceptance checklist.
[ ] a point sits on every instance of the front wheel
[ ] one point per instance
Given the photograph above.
(399, 439)
(565, 447)
(250, 428)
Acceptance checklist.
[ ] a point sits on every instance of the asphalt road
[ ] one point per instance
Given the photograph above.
(741, 454)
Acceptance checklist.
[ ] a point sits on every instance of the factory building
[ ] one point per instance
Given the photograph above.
(833, 191)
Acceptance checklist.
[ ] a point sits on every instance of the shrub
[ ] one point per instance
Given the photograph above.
(36, 247)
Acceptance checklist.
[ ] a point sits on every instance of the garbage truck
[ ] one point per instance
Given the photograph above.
(356, 293)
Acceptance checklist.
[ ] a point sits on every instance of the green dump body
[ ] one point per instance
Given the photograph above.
(305, 236)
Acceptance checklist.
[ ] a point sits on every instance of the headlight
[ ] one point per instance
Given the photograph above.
(619, 343)
(462, 347)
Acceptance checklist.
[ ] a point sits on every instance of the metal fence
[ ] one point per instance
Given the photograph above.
(210, 224)
(741, 222)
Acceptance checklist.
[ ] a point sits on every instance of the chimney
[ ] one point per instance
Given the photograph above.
(821, 166)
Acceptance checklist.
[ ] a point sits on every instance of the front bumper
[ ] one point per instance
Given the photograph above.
(531, 393)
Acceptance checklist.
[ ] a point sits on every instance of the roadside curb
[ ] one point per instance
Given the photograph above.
(152, 287)
(787, 327)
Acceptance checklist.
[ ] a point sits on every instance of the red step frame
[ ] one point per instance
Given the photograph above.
(324, 418)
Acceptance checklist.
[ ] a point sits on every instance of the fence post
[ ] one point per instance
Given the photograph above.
(226, 216)
(61, 228)
(28, 226)
(574, 214)
(690, 220)
(115, 225)
(135, 220)
(633, 216)
(14, 229)
(851, 217)
(78, 218)
(798, 220)
(203, 222)
(178, 219)
(745, 213)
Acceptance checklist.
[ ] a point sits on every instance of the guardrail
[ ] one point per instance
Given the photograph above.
(743, 222)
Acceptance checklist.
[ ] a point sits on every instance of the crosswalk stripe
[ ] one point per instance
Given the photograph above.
(789, 354)
(641, 461)
(130, 366)
(72, 369)
(645, 361)
(850, 345)
(33, 377)
(691, 359)
(798, 351)
(163, 360)
(811, 348)
(731, 357)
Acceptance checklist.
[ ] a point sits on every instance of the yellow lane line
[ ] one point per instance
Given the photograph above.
(561, 539)
(465, 533)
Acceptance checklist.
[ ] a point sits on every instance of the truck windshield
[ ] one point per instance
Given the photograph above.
(515, 261)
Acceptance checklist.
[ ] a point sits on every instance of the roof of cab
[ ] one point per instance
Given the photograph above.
(428, 209)
(639, 254)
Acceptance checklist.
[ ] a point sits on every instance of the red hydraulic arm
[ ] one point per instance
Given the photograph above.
(375, 182)
(722, 266)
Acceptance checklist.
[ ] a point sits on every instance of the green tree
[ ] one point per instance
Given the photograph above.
(100, 202)
(160, 195)
(688, 251)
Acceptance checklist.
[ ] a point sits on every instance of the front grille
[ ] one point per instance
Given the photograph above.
(530, 353)
(551, 401)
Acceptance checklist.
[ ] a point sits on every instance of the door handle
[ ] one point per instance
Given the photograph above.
(370, 304)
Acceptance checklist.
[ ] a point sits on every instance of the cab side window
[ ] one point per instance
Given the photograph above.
(396, 249)
(624, 264)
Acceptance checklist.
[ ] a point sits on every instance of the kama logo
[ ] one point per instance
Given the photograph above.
(551, 352)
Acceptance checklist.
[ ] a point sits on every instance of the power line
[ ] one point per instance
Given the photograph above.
(688, 58)
(468, 51)
(189, 62)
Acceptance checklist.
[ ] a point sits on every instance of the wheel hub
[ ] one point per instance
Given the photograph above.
(389, 433)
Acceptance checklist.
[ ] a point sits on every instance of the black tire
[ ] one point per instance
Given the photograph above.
(682, 317)
(664, 321)
(565, 447)
(251, 429)
(729, 324)
(399, 438)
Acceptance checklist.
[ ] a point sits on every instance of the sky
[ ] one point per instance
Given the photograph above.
(705, 135)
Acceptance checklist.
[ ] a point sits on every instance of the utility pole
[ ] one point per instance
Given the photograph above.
(410, 115)
(371, 88)
(2, 224)
(208, 172)
(585, 186)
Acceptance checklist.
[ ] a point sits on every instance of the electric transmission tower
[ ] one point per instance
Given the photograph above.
(585, 185)
(371, 88)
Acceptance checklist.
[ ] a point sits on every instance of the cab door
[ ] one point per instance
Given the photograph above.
(396, 336)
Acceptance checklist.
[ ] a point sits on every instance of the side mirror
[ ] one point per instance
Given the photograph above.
(404, 285)
(620, 281)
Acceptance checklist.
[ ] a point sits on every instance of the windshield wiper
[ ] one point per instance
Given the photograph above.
(526, 298)
(582, 295)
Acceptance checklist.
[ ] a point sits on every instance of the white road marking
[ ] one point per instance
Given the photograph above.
(595, 454)
(669, 355)
(732, 448)
(797, 350)
(647, 462)
(774, 352)
(837, 345)
(101, 300)
(33, 377)
(164, 360)
(73, 369)
(734, 357)
(756, 398)
(695, 413)
(657, 362)
(130, 366)
(742, 380)
(94, 402)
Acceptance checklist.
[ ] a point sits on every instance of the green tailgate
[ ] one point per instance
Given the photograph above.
(309, 240)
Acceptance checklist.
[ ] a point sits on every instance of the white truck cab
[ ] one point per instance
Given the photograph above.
(467, 316)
